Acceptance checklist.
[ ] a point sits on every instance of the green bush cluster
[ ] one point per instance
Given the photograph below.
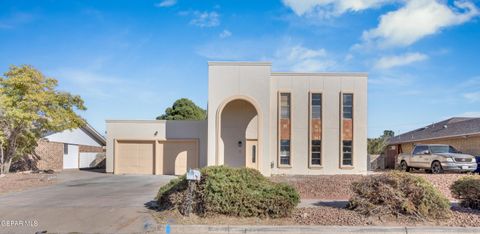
(398, 193)
(467, 190)
(231, 191)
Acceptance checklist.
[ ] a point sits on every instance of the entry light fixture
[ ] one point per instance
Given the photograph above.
(240, 143)
(156, 133)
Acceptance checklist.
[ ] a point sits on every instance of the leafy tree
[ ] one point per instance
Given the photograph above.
(31, 107)
(183, 109)
(377, 145)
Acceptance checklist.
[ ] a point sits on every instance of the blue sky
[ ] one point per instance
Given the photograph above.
(132, 59)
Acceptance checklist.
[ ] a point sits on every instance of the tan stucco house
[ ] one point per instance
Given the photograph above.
(276, 122)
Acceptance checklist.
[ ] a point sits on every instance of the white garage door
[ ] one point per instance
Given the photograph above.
(88, 160)
(70, 156)
(133, 157)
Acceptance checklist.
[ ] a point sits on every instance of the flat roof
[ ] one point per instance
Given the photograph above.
(147, 121)
(239, 63)
(359, 74)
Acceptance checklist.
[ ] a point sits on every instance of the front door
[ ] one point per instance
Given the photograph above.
(251, 153)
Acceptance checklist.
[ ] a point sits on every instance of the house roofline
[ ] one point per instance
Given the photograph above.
(356, 74)
(148, 121)
(239, 63)
(94, 133)
(434, 138)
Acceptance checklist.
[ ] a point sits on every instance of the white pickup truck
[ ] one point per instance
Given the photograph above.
(436, 158)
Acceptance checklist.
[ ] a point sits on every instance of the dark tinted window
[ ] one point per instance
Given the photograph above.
(419, 149)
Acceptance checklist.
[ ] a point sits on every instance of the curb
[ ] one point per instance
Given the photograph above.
(206, 229)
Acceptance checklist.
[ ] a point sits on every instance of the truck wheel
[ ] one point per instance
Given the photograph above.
(404, 166)
(436, 167)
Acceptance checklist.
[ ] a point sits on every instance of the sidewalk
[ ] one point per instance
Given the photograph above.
(205, 229)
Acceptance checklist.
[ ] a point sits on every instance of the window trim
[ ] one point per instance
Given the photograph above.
(279, 93)
(341, 165)
(310, 112)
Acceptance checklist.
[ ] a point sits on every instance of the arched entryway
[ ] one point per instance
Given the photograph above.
(238, 134)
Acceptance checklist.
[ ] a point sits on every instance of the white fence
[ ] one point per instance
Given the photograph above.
(90, 160)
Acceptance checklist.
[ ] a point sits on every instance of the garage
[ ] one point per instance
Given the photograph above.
(134, 157)
(169, 157)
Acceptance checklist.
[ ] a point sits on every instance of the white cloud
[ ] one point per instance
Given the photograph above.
(399, 60)
(166, 3)
(302, 59)
(418, 19)
(472, 97)
(225, 33)
(328, 8)
(205, 19)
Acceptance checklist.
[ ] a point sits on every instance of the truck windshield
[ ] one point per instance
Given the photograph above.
(443, 149)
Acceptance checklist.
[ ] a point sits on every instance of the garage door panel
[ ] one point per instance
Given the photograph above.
(134, 157)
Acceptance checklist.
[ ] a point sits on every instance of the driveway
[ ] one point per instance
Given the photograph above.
(83, 201)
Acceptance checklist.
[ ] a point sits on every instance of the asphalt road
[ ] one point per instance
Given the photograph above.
(83, 201)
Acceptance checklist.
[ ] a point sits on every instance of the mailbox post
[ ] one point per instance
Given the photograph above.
(192, 177)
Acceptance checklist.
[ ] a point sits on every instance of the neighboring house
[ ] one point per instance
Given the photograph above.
(278, 123)
(70, 149)
(461, 133)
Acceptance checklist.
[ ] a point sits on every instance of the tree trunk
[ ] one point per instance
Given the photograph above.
(5, 167)
(2, 159)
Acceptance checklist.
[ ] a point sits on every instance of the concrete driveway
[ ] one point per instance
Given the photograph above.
(83, 201)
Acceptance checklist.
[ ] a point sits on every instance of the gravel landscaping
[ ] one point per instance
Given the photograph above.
(15, 182)
(337, 187)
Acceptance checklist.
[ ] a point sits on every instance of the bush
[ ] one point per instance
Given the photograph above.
(231, 191)
(467, 190)
(398, 193)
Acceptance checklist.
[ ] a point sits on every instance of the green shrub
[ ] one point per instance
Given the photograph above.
(467, 190)
(231, 191)
(398, 193)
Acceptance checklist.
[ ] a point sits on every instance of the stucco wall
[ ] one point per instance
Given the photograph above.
(231, 81)
(255, 83)
(330, 85)
(155, 130)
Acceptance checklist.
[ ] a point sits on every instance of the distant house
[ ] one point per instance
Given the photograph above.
(461, 133)
(70, 149)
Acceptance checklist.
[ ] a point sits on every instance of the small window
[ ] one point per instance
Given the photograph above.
(316, 106)
(347, 106)
(347, 153)
(285, 152)
(65, 148)
(285, 105)
(420, 149)
(254, 153)
(316, 152)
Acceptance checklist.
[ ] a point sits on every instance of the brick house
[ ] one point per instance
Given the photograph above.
(71, 149)
(461, 133)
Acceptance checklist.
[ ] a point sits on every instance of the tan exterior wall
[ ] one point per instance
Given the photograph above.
(157, 131)
(256, 83)
(330, 85)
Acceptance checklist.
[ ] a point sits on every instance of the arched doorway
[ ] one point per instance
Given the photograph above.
(238, 134)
